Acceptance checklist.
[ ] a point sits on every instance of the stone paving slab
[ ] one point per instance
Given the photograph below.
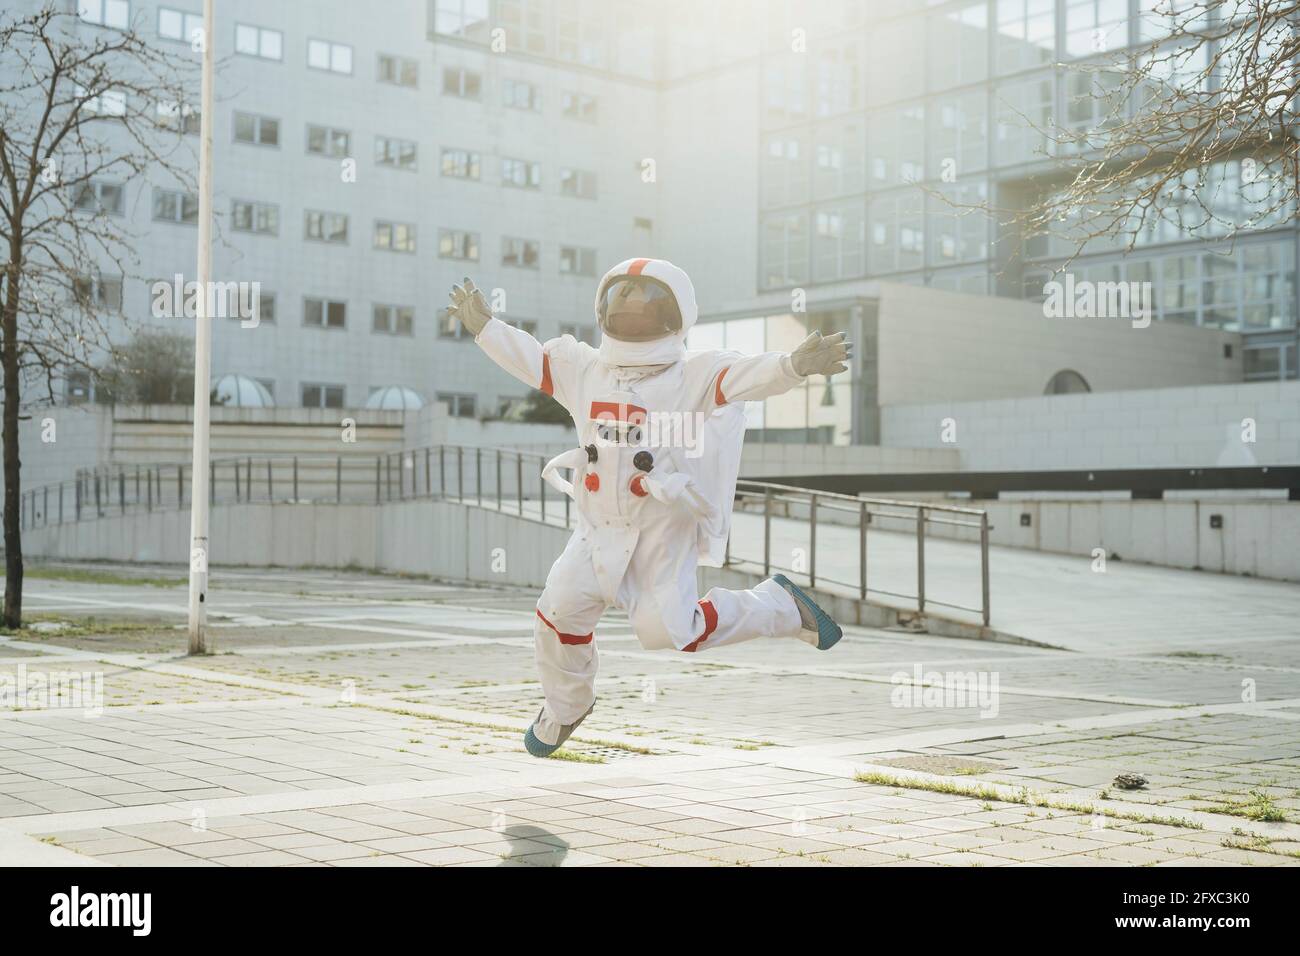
(747, 756)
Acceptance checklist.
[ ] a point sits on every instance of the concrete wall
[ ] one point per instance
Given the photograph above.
(1257, 536)
(944, 346)
(1149, 428)
(418, 537)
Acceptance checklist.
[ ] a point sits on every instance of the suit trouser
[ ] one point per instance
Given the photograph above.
(665, 614)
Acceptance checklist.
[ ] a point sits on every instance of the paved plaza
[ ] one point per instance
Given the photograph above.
(364, 720)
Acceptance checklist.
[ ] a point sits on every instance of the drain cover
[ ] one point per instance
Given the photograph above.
(940, 764)
(606, 753)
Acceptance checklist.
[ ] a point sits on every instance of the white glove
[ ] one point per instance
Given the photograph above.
(469, 307)
(821, 356)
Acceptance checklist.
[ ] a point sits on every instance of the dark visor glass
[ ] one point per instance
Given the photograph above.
(639, 309)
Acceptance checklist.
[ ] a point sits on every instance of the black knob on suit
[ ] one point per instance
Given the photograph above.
(643, 460)
(591, 454)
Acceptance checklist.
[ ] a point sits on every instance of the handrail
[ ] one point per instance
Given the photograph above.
(486, 477)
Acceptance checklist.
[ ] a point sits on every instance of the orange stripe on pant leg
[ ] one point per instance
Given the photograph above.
(565, 638)
(710, 625)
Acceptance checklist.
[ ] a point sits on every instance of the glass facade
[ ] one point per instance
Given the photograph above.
(837, 411)
(957, 98)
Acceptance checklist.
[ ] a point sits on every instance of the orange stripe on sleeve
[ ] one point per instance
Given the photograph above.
(547, 385)
(718, 397)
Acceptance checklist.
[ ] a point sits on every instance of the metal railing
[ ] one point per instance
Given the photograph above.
(914, 517)
(502, 479)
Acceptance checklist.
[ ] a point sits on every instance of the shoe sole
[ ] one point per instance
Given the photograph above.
(828, 632)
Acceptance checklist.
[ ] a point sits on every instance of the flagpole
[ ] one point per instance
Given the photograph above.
(202, 359)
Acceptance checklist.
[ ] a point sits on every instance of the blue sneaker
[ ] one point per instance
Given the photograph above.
(538, 747)
(818, 628)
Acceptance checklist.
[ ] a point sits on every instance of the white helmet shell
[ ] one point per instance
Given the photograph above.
(668, 349)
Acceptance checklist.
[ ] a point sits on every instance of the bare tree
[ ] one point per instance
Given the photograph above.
(1190, 133)
(84, 111)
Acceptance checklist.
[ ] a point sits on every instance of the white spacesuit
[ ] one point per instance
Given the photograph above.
(660, 430)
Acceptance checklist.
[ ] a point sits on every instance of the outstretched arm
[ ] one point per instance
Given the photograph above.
(772, 373)
(512, 349)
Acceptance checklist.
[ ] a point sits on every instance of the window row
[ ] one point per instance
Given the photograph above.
(964, 43)
(897, 231)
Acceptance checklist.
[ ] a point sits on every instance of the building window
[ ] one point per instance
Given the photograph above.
(958, 40)
(583, 333)
(257, 130)
(394, 320)
(77, 387)
(395, 153)
(450, 328)
(522, 95)
(324, 313)
(98, 293)
(578, 182)
(325, 141)
(520, 253)
(98, 196)
(458, 405)
(459, 17)
(1026, 34)
(579, 106)
(526, 325)
(325, 226)
(521, 173)
(257, 217)
(261, 307)
(458, 244)
(178, 116)
(179, 25)
(104, 103)
(1095, 26)
(259, 42)
(458, 81)
(170, 205)
(106, 13)
(784, 249)
(460, 164)
(322, 396)
(395, 236)
(576, 261)
(397, 70)
(332, 57)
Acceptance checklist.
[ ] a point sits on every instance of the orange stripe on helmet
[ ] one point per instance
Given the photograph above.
(637, 265)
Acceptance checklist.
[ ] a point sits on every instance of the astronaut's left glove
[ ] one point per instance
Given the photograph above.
(821, 356)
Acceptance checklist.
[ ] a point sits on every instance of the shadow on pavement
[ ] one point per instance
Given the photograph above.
(523, 840)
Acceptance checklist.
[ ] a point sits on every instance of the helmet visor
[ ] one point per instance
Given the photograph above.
(639, 309)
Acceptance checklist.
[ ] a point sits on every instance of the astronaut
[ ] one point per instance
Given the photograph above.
(660, 430)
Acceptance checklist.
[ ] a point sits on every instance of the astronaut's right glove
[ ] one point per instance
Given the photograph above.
(469, 307)
(821, 356)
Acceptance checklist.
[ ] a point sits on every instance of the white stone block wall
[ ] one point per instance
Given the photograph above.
(1198, 426)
